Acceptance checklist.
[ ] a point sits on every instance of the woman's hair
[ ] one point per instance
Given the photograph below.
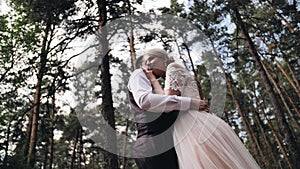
(157, 53)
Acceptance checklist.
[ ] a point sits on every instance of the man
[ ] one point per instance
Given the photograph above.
(155, 114)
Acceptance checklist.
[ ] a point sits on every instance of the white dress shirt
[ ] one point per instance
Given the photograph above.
(141, 89)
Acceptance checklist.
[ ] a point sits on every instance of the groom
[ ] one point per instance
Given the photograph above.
(155, 113)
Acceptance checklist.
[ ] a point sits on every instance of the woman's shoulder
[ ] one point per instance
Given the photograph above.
(175, 65)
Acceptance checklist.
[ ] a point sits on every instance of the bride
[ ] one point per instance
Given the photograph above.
(202, 140)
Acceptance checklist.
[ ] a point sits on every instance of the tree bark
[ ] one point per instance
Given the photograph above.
(34, 126)
(111, 160)
(277, 139)
(278, 87)
(283, 126)
(265, 142)
(287, 24)
(37, 98)
(80, 152)
(268, 158)
(295, 108)
(51, 139)
(263, 133)
(292, 72)
(236, 102)
(6, 144)
(36, 111)
(294, 83)
(270, 47)
(73, 155)
(195, 73)
(133, 60)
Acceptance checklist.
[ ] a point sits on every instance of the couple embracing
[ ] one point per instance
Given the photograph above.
(174, 127)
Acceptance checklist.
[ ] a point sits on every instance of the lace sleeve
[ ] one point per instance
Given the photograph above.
(179, 78)
(175, 77)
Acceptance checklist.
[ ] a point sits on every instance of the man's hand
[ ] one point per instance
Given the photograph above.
(203, 106)
(200, 105)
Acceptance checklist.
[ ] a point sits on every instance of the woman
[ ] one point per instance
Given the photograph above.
(202, 140)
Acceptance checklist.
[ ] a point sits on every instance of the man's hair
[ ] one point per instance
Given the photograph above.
(139, 61)
(157, 53)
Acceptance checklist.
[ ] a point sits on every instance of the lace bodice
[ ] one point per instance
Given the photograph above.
(178, 78)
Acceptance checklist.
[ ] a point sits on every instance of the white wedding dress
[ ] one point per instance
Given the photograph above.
(203, 140)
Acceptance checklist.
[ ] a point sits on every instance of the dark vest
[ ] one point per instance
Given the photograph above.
(151, 123)
(154, 148)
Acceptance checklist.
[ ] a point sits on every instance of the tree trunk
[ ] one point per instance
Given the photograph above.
(292, 72)
(227, 118)
(111, 160)
(6, 144)
(272, 162)
(180, 54)
(195, 73)
(282, 89)
(294, 83)
(46, 155)
(34, 126)
(284, 56)
(287, 76)
(37, 99)
(278, 87)
(295, 108)
(287, 24)
(277, 139)
(80, 152)
(133, 60)
(108, 112)
(236, 102)
(35, 114)
(51, 139)
(268, 158)
(252, 133)
(265, 142)
(131, 37)
(283, 126)
(73, 155)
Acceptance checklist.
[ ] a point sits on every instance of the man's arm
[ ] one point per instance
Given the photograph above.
(142, 93)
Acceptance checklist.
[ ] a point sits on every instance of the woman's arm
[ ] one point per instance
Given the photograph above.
(195, 104)
(157, 87)
(172, 92)
(142, 92)
(154, 82)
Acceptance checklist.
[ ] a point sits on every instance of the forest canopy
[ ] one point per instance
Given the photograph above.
(65, 64)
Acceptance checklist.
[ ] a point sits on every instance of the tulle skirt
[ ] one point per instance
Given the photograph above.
(205, 141)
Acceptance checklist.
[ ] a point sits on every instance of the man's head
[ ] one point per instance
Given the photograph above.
(156, 60)
(139, 63)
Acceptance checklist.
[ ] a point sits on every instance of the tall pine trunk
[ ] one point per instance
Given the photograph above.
(133, 60)
(266, 140)
(34, 114)
(52, 126)
(236, 102)
(283, 125)
(277, 139)
(279, 88)
(34, 124)
(111, 160)
(6, 145)
(283, 19)
(73, 155)
(292, 80)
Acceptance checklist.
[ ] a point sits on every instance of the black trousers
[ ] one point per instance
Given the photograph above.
(166, 160)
